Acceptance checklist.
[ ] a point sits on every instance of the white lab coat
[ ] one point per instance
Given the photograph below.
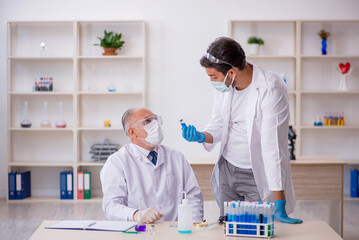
(128, 175)
(267, 120)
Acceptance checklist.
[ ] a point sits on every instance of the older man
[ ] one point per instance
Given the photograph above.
(148, 174)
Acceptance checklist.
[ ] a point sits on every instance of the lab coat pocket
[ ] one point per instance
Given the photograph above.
(173, 186)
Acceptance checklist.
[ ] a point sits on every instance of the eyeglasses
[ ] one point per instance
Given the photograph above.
(143, 122)
(213, 59)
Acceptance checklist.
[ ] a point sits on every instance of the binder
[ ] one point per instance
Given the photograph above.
(23, 185)
(70, 192)
(12, 185)
(354, 183)
(80, 185)
(63, 185)
(87, 185)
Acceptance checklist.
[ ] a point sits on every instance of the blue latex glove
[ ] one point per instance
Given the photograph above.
(281, 214)
(191, 134)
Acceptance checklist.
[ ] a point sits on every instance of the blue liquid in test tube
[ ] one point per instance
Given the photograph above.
(182, 123)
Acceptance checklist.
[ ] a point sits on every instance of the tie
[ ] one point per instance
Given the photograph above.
(153, 157)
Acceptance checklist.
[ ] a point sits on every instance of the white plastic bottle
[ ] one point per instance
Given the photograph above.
(185, 216)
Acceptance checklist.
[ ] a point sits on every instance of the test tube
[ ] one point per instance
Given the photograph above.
(182, 123)
(140, 227)
(225, 210)
(233, 211)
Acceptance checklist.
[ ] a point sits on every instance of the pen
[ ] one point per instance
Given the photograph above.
(130, 232)
(91, 224)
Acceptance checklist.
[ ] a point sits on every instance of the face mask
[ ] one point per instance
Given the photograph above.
(154, 134)
(221, 86)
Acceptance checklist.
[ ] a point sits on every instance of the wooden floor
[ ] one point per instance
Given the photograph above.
(20, 220)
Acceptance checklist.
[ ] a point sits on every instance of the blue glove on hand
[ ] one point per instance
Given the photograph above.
(281, 214)
(191, 134)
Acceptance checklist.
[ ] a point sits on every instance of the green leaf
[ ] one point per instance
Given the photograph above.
(111, 40)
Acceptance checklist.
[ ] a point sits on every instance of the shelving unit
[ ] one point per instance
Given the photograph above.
(75, 63)
(294, 49)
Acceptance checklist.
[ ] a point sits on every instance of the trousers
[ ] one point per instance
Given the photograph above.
(236, 184)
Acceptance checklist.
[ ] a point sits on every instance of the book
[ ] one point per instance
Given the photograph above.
(12, 185)
(63, 185)
(80, 185)
(354, 183)
(23, 185)
(69, 183)
(87, 185)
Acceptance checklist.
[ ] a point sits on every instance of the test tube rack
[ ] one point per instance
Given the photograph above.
(248, 219)
(257, 230)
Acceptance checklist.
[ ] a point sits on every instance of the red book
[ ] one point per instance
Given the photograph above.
(80, 185)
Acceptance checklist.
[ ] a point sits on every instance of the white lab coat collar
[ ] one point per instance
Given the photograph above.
(258, 78)
(142, 153)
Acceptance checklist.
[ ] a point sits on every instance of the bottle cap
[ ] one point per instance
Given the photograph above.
(185, 200)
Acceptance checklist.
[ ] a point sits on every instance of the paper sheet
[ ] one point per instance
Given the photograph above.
(93, 225)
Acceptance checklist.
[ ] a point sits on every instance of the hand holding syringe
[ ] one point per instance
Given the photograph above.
(191, 134)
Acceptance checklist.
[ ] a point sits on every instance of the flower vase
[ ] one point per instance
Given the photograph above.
(343, 84)
(324, 46)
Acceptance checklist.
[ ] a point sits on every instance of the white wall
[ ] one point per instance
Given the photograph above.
(178, 33)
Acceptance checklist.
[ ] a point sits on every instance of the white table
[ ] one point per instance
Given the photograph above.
(167, 231)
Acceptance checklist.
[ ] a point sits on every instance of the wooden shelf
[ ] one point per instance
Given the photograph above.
(321, 57)
(110, 57)
(75, 64)
(39, 199)
(41, 164)
(348, 198)
(41, 58)
(112, 93)
(92, 199)
(42, 93)
(329, 92)
(54, 199)
(330, 127)
(352, 161)
(271, 57)
(100, 128)
(91, 164)
(52, 129)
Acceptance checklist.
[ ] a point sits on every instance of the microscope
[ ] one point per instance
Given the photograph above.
(291, 141)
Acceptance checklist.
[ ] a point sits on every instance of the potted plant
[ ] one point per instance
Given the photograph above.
(324, 36)
(254, 43)
(110, 43)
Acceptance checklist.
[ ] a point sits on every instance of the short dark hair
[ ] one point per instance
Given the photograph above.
(228, 50)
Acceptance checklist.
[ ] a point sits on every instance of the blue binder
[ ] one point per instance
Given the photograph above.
(23, 185)
(354, 183)
(12, 185)
(63, 185)
(70, 186)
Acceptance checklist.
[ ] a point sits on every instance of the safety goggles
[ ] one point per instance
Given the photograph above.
(143, 122)
(213, 59)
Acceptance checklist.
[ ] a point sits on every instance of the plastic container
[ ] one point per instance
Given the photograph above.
(185, 216)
